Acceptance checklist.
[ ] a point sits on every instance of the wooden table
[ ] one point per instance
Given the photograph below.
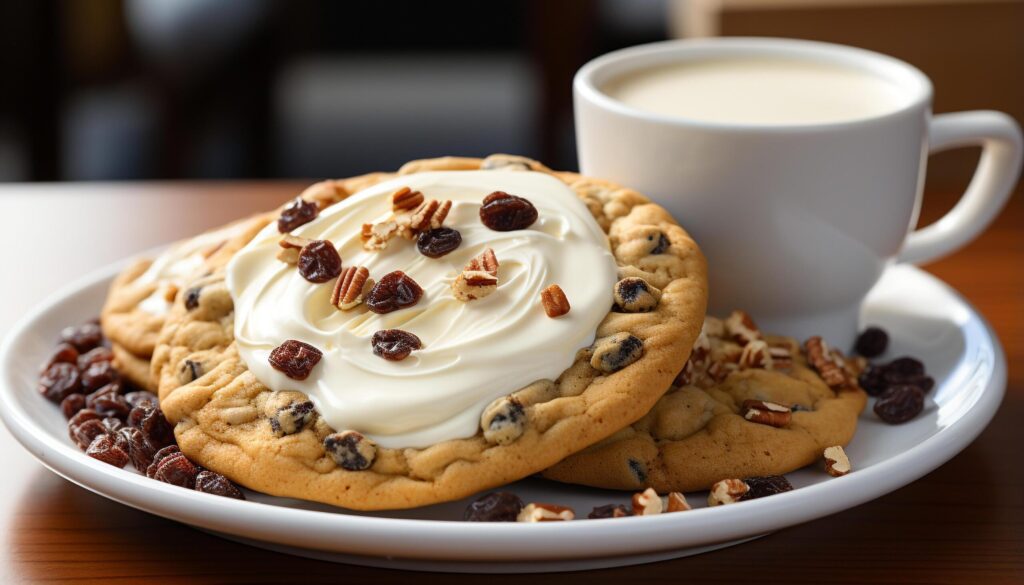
(963, 523)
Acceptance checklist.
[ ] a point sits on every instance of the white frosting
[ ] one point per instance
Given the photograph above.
(473, 352)
(178, 263)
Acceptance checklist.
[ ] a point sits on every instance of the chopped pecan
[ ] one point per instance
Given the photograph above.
(719, 371)
(713, 327)
(647, 503)
(781, 358)
(727, 491)
(290, 248)
(405, 199)
(536, 512)
(351, 286)
(429, 215)
(677, 503)
(485, 261)
(376, 236)
(741, 327)
(766, 413)
(837, 464)
(755, 354)
(478, 279)
(554, 301)
(824, 361)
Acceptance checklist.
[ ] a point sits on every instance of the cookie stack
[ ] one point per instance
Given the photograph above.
(402, 339)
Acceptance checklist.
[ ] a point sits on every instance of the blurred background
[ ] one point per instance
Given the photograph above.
(171, 89)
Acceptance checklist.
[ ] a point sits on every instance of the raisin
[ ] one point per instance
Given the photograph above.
(438, 242)
(396, 290)
(503, 212)
(93, 356)
(292, 418)
(494, 507)
(65, 353)
(97, 375)
(872, 380)
(661, 246)
(319, 261)
(615, 352)
(899, 404)
(113, 424)
(140, 397)
(210, 482)
(105, 449)
(159, 456)
(394, 344)
(84, 434)
(904, 366)
(155, 427)
(295, 358)
(59, 381)
(108, 402)
(872, 342)
(176, 469)
(767, 485)
(350, 450)
(139, 449)
(192, 298)
(609, 511)
(84, 337)
(298, 213)
(72, 404)
(81, 416)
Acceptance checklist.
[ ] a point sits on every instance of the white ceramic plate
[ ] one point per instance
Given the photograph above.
(925, 317)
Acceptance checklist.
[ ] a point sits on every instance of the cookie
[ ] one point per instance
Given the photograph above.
(745, 405)
(291, 380)
(141, 296)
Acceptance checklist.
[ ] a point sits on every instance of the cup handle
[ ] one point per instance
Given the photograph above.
(1000, 139)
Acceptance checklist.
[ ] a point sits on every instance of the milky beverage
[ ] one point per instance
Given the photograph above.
(756, 90)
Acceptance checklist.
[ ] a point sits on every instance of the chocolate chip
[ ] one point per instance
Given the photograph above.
(292, 418)
(319, 261)
(503, 212)
(295, 358)
(350, 450)
(503, 421)
(636, 295)
(767, 485)
(661, 245)
(494, 507)
(638, 469)
(612, 353)
(210, 482)
(192, 298)
(609, 511)
(900, 404)
(872, 342)
(298, 213)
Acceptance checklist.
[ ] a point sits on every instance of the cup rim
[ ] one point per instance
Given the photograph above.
(586, 83)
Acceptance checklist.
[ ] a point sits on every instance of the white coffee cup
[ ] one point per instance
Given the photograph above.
(797, 221)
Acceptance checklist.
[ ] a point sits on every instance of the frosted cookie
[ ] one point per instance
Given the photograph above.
(141, 296)
(398, 351)
(745, 404)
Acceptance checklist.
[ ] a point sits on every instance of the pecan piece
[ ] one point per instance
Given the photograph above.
(756, 354)
(376, 236)
(837, 464)
(405, 199)
(781, 358)
(741, 327)
(537, 512)
(478, 279)
(727, 491)
(647, 503)
(350, 450)
(554, 301)
(824, 361)
(352, 285)
(290, 248)
(677, 503)
(429, 215)
(766, 413)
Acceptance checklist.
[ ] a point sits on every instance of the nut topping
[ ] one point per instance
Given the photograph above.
(741, 327)
(478, 279)
(376, 236)
(837, 464)
(823, 360)
(677, 503)
(536, 512)
(405, 199)
(430, 215)
(396, 290)
(647, 503)
(727, 491)
(756, 354)
(781, 358)
(554, 301)
(485, 261)
(766, 413)
(350, 450)
(353, 283)
(295, 358)
(290, 248)
(636, 295)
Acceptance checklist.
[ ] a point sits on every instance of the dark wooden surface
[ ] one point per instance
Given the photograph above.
(963, 523)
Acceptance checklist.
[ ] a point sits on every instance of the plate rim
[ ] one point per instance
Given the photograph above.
(444, 540)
